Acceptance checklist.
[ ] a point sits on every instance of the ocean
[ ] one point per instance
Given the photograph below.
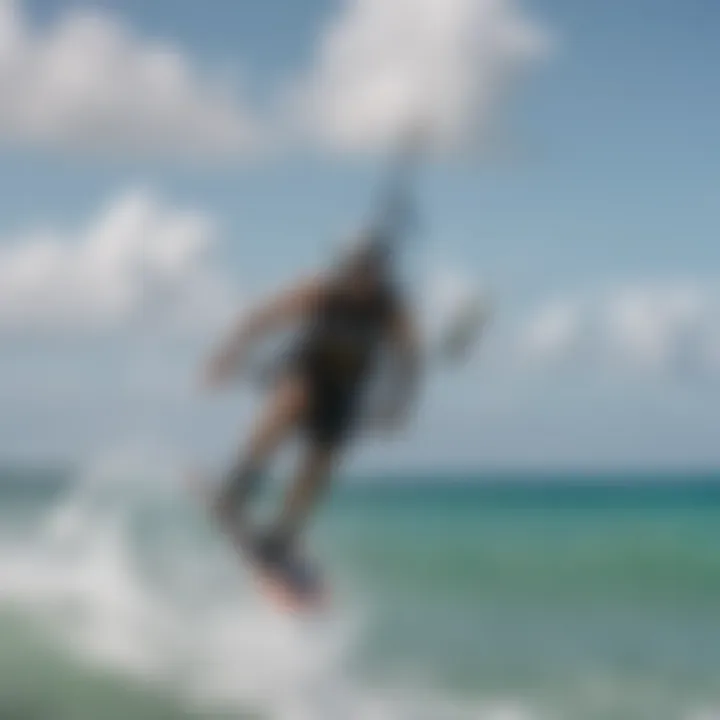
(492, 597)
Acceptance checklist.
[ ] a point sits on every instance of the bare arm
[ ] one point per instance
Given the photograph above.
(296, 303)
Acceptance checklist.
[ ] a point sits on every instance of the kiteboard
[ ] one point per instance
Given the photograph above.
(293, 585)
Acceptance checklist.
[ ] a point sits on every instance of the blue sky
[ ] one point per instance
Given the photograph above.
(596, 227)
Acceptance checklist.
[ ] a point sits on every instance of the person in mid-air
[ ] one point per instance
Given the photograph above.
(350, 318)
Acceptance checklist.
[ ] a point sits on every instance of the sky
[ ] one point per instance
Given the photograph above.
(162, 164)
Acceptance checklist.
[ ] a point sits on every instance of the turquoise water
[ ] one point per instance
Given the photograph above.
(484, 597)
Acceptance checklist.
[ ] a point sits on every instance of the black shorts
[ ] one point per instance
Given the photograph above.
(332, 412)
(333, 402)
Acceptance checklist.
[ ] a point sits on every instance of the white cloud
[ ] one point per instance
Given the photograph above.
(552, 333)
(89, 83)
(656, 325)
(138, 262)
(667, 327)
(382, 64)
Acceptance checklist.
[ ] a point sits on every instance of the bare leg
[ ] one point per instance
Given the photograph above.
(279, 417)
(310, 482)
